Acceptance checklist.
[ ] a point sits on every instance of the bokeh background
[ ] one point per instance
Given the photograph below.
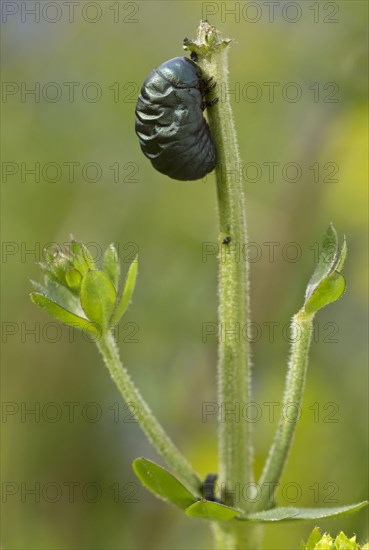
(321, 47)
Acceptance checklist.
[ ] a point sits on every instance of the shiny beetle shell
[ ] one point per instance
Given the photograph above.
(170, 125)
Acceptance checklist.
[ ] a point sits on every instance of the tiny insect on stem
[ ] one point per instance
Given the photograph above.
(208, 488)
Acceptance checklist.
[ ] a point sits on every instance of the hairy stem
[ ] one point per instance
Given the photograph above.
(238, 535)
(235, 449)
(153, 430)
(302, 327)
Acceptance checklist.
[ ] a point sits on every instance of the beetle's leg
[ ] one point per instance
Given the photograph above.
(212, 102)
(208, 85)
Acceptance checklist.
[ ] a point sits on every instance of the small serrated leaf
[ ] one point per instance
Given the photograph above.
(98, 297)
(214, 511)
(63, 315)
(313, 539)
(162, 483)
(111, 264)
(329, 290)
(127, 293)
(342, 542)
(325, 543)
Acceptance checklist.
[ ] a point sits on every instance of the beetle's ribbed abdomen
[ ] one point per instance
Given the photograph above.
(170, 125)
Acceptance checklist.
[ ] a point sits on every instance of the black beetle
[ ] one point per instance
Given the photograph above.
(170, 125)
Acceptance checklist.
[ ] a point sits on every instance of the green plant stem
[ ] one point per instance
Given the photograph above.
(238, 535)
(302, 328)
(235, 461)
(153, 430)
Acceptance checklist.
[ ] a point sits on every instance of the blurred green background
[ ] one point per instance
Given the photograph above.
(114, 45)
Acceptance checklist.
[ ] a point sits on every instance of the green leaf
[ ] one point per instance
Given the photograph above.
(329, 290)
(98, 297)
(314, 538)
(326, 262)
(127, 292)
(317, 541)
(276, 514)
(59, 294)
(163, 484)
(54, 271)
(342, 257)
(73, 278)
(344, 543)
(82, 259)
(327, 284)
(325, 543)
(206, 509)
(112, 265)
(40, 289)
(322, 513)
(64, 297)
(291, 513)
(63, 315)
